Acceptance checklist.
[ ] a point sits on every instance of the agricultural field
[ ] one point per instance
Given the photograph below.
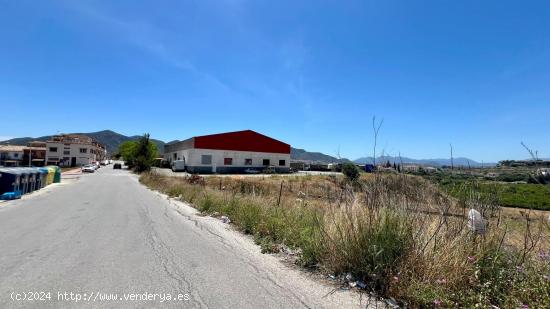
(397, 236)
(511, 188)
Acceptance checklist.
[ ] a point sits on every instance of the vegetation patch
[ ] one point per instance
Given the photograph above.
(522, 195)
(391, 235)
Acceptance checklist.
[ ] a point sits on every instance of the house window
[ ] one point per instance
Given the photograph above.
(227, 161)
(67, 152)
(282, 162)
(16, 155)
(247, 161)
(265, 162)
(53, 149)
(83, 150)
(206, 159)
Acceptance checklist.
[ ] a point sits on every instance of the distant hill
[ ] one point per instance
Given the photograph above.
(432, 162)
(301, 154)
(110, 139)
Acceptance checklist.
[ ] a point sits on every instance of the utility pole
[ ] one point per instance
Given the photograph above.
(452, 159)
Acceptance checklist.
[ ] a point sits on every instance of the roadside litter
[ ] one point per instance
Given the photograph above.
(225, 219)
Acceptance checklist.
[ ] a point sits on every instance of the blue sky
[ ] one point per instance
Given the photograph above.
(312, 73)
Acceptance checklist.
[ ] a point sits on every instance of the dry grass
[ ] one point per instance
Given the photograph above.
(398, 235)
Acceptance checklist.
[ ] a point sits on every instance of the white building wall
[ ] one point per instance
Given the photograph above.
(193, 158)
(6, 155)
(13, 155)
(73, 151)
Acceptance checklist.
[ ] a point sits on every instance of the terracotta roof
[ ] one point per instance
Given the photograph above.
(75, 139)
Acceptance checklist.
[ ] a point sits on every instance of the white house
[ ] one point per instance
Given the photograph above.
(11, 155)
(73, 150)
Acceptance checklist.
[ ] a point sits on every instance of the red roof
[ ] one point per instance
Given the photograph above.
(247, 140)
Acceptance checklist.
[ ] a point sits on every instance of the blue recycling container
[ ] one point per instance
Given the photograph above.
(37, 178)
(28, 179)
(24, 185)
(34, 178)
(10, 181)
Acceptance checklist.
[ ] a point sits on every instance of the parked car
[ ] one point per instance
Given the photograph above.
(88, 168)
(117, 166)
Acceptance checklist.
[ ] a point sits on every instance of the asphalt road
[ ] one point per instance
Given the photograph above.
(106, 235)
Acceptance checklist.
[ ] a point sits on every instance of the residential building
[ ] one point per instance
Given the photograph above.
(233, 152)
(34, 154)
(430, 169)
(411, 168)
(73, 150)
(11, 155)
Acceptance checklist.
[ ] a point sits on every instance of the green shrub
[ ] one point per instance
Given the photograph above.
(351, 171)
(369, 245)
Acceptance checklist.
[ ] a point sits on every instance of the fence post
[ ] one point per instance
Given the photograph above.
(280, 193)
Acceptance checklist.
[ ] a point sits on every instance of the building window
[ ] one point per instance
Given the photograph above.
(83, 150)
(206, 159)
(282, 162)
(16, 155)
(67, 152)
(227, 161)
(53, 149)
(265, 162)
(247, 161)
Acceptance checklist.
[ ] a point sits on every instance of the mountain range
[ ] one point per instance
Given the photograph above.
(429, 162)
(112, 140)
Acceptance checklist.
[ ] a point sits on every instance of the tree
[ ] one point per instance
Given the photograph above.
(145, 154)
(139, 154)
(127, 152)
(351, 171)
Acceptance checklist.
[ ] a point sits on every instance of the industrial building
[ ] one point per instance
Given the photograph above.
(232, 152)
(73, 150)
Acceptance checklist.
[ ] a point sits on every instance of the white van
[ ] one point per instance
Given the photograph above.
(178, 166)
